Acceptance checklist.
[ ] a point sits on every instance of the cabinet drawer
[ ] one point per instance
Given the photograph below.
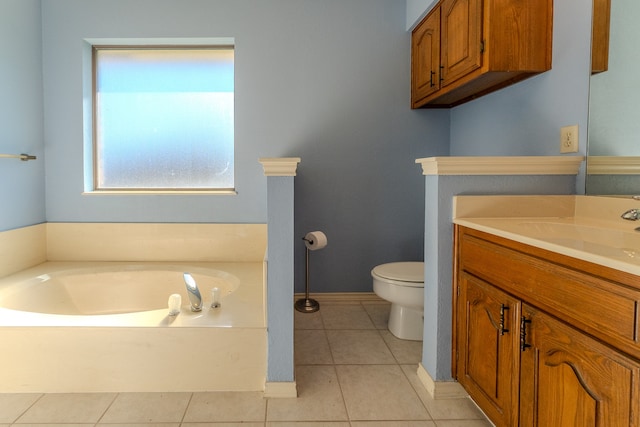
(605, 309)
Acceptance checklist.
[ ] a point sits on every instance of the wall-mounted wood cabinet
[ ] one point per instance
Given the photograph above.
(464, 49)
(600, 36)
(542, 339)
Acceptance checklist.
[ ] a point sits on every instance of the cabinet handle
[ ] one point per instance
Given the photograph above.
(431, 79)
(523, 333)
(503, 330)
(441, 72)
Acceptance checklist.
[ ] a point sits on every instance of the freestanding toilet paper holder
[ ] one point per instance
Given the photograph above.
(306, 304)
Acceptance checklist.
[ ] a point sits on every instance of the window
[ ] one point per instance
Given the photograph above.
(163, 118)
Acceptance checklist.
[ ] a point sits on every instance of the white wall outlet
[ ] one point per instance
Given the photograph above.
(569, 139)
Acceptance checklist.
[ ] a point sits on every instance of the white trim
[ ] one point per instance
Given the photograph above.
(280, 389)
(509, 165)
(440, 389)
(279, 166)
(343, 297)
(613, 165)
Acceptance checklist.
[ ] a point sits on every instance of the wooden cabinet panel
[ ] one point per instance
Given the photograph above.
(570, 379)
(488, 335)
(600, 307)
(484, 45)
(461, 38)
(600, 36)
(572, 335)
(425, 63)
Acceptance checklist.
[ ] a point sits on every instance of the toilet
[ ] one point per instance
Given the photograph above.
(402, 284)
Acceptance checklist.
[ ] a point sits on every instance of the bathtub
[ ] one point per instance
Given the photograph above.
(105, 327)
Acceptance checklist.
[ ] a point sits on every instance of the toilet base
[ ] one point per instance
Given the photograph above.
(406, 323)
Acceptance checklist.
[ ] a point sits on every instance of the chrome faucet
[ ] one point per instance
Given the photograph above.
(193, 292)
(631, 215)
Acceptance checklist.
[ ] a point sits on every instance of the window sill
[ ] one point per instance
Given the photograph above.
(160, 193)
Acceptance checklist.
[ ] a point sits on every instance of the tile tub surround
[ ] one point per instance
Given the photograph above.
(584, 227)
(332, 393)
(29, 246)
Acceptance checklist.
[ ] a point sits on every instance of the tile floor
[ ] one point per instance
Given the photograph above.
(350, 372)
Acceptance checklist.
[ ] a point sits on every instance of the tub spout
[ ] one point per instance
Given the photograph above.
(193, 292)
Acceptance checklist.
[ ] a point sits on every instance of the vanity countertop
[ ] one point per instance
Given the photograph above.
(583, 227)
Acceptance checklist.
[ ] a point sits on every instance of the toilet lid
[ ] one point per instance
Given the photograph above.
(401, 271)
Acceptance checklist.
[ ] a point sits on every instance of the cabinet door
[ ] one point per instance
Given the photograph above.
(425, 57)
(461, 43)
(570, 379)
(488, 338)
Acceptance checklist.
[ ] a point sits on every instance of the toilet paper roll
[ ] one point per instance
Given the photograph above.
(315, 240)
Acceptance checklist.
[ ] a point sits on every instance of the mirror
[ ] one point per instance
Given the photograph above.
(613, 157)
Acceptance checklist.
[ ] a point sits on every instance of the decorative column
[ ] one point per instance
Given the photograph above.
(280, 173)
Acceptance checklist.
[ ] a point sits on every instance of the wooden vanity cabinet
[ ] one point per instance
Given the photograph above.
(464, 49)
(532, 348)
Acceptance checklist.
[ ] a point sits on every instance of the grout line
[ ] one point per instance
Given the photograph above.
(27, 410)
(115, 396)
(186, 409)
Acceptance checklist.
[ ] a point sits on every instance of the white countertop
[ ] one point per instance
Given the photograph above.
(583, 227)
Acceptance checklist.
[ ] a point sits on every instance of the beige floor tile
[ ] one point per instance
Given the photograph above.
(311, 347)
(319, 398)
(404, 351)
(393, 424)
(68, 408)
(12, 405)
(63, 425)
(128, 425)
(443, 409)
(356, 347)
(379, 314)
(379, 392)
(308, 424)
(307, 320)
(347, 316)
(240, 424)
(463, 423)
(226, 406)
(147, 408)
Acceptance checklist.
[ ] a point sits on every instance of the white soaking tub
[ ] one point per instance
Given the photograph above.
(105, 326)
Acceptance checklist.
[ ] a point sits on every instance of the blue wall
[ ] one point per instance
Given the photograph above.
(525, 119)
(327, 81)
(21, 121)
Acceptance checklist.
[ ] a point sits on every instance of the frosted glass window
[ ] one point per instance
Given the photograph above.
(164, 118)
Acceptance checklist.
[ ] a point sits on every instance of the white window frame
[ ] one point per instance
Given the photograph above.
(92, 186)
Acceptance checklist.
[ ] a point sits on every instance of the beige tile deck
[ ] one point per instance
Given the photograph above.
(350, 372)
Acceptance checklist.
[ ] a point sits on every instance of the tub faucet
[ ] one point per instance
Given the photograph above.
(631, 215)
(193, 292)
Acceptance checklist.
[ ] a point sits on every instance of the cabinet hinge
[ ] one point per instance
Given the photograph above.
(481, 46)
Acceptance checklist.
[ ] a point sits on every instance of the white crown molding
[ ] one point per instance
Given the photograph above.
(613, 165)
(504, 165)
(279, 166)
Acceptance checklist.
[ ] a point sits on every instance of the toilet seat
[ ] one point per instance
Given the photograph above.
(409, 274)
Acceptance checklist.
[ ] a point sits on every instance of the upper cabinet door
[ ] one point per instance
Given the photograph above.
(425, 62)
(461, 38)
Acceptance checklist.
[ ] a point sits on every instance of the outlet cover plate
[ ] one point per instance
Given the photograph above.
(569, 139)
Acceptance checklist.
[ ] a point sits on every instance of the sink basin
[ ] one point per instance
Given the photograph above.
(599, 240)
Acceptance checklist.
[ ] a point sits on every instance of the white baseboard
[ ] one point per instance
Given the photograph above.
(280, 389)
(343, 297)
(440, 389)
